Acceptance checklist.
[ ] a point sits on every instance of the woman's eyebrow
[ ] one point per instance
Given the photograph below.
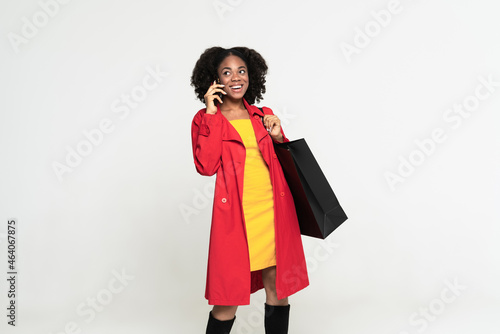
(243, 66)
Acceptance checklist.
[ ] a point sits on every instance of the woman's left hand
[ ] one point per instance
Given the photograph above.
(273, 126)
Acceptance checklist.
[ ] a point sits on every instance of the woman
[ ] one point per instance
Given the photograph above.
(255, 240)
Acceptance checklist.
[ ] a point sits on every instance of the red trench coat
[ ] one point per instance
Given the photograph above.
(218, 148)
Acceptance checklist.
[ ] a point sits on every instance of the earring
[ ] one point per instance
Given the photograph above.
(218, 80)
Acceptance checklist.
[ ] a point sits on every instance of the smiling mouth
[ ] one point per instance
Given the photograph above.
(236, 88)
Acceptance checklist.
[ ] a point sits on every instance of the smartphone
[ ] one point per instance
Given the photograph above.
(219, 94)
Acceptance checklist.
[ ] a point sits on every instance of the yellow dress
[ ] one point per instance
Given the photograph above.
(258, 205)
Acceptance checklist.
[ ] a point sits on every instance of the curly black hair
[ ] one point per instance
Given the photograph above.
(205, 71)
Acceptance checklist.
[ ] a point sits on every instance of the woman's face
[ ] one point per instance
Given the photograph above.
(233, 74)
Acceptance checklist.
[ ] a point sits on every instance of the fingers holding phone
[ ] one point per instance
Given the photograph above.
(214, 92)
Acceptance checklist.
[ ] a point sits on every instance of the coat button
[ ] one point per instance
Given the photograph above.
(224, 200)
(256, 116)
(275, 156)
(282, 194)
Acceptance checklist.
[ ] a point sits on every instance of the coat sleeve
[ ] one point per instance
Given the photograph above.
(268, 111)
(206, 136)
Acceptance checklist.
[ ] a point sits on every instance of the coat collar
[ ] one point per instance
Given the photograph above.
(252, 110)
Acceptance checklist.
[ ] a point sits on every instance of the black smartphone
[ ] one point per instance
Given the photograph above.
(219, 94)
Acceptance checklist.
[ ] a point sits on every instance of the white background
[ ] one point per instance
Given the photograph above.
(386, 270)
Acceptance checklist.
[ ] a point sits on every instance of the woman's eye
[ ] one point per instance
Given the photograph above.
(225, 73)
(242, 71)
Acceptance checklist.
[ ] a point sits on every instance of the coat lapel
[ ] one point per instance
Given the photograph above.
(256, 118)
(229, 133)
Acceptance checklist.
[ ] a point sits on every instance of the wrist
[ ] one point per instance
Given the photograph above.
(278, 138)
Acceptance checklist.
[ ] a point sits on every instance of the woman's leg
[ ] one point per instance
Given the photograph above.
(277, 311)
(221, 312)
(269, 280)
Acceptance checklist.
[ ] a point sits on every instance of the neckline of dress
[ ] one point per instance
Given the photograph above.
(240, 119)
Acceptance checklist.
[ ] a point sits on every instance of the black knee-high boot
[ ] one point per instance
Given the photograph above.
(276, 319)
(216, 326)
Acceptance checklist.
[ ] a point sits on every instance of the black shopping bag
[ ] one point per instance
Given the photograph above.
(318, 210)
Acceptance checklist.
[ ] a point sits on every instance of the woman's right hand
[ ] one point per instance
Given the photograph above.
(211, 95)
